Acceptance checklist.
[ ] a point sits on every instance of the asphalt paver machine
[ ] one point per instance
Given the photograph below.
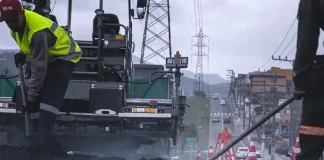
(112, 106)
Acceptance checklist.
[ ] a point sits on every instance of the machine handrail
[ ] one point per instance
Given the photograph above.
(252, 128)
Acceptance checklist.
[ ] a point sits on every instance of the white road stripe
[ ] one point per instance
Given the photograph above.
(220, 114)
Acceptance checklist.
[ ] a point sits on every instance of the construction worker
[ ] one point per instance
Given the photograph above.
(309, 78)
(53, 55)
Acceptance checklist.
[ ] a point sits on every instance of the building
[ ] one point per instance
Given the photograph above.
(256, 81)
(287, 72)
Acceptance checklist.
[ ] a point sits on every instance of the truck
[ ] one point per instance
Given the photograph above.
(112, 106)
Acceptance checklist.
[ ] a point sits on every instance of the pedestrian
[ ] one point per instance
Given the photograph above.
(309, 78)
(53, 56)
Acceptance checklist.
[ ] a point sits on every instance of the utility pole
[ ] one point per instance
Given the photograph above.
(239, 100)
(294, 107)
(263, 111)
(250, 107)
(280, 59)
(263, 114)
(274, 91)
(231, 76)
(243, 93)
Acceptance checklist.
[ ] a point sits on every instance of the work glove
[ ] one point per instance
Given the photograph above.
(298, 94)
(19, 58)
(31, 107)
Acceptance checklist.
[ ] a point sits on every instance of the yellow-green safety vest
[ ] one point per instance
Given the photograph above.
(65, 47)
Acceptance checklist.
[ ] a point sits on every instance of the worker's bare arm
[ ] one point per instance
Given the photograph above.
(307, 42)
(40, 43)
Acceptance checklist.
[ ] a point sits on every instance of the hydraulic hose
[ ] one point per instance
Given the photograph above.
(252, 128)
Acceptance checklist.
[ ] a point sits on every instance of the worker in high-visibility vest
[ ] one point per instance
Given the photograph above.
(309, 78)
(53, 56)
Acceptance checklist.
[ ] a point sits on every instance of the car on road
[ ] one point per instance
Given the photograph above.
(215, 96)
(216, 119)
(223, 102)
(258, 155)
(282, 147)
(227, 119)
(242, 152)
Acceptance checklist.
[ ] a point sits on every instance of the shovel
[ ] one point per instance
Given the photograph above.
(24, 99)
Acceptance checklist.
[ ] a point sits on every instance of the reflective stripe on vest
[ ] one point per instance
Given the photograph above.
(314, 131)
(65, 47)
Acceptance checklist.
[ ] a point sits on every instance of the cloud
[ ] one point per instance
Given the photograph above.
(243, 34)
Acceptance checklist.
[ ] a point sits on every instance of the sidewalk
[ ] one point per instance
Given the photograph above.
(238, 122)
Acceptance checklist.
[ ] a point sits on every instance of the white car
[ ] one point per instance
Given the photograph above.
(242, 152)
(223, 102)
(216, 119)
(215, 96)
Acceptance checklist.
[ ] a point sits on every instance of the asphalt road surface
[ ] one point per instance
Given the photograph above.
(217, 127)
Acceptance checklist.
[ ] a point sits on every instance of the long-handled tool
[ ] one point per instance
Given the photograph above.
(252, 128)
(24, 99)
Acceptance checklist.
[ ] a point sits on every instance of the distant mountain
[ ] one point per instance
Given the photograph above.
(213, 78)
(188, 87)
(217, 84)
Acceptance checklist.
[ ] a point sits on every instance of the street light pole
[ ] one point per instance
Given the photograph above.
(263, 126)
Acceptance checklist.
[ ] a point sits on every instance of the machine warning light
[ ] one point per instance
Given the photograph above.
(119, 37)
(178, 53)
(175, 113)
(153, 102)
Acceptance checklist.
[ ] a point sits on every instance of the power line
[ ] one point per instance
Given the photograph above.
(195, 10)
(280, 44)
(288, 44)
(53, 7)
(283, 50)
(198, 14)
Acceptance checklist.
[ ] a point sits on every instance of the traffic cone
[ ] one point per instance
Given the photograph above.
(198, 155)
(210, 152)
(296, 148)
(252, 151)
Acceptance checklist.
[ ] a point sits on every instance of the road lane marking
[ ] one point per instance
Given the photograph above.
(219, 114)
(222, 118)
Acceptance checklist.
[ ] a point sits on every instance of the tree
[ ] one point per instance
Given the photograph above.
(5, 72)
(200, 94)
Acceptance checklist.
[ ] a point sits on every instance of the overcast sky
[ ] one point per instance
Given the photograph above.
(243, 33)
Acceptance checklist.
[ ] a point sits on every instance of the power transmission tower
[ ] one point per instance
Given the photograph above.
(157, 31)
(199, 43)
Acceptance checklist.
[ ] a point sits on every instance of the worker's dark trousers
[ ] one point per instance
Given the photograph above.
(51, 99)
(310, 20)
(313, 113)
